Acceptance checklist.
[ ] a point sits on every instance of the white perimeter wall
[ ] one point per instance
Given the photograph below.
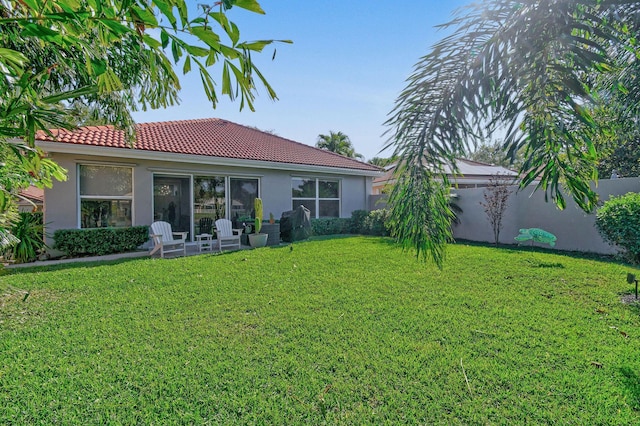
(574, 228)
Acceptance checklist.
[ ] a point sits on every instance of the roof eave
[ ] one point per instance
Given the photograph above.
(104, 151)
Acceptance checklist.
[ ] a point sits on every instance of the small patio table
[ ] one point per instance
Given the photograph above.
(204, 242)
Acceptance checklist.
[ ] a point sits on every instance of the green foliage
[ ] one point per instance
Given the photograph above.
(339, 143)
(100, 241)
(382, 162)
(331, 226)
(361, 222)
(494, 153)
(619, 147)
(529, 69)
(259, 211)
(20, 167)
(109, 58)
(357, 221)
(618, 223)
(29, 230)
(339, 332)
(420, 214)
(377, 223)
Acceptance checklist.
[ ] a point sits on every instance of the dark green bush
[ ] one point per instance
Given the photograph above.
(376, 223)
(30, 231)
(357, 221)
(361, 222)
(330, 226)
(100, 241)
(618, 221)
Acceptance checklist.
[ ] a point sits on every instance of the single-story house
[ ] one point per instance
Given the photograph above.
(471, 174)
(191, 172)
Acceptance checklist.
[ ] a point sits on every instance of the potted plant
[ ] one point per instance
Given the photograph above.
(258, 239)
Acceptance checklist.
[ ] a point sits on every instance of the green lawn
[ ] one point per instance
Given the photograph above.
(335, 331)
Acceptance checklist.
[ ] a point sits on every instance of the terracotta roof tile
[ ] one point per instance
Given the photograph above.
(209, 137)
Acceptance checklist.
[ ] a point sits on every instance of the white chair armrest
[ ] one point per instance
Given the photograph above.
(183, 235)
(237, 231)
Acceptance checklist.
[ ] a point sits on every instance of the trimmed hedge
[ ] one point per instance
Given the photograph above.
(361, 222)
(618, 222)
(331, 226)
(100, 241)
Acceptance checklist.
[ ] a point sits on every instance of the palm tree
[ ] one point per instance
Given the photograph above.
(533, 68)
(382, 162)
(339, 143)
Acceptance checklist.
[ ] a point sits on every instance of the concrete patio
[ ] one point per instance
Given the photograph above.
(192, 250)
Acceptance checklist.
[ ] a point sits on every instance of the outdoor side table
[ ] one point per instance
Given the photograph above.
(205, 242)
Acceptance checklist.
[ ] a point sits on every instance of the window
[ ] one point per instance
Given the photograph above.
(106, 196)
(320, 196)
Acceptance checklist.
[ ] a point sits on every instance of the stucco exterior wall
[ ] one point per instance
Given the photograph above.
(61, 201)
(574, 228)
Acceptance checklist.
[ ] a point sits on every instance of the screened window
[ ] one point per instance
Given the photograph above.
(320, 196)
(106, 196)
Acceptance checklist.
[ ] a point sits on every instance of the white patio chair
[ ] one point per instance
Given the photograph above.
(227, 236)
(165, 240)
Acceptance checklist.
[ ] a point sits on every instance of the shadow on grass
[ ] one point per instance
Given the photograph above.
(547, 250)
(64, 266)
(631, 380)
(91, 264)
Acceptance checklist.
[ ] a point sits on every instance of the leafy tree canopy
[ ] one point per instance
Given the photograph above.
(339, 143)
(382, 162)
(494, 153)
(110, 57)
(533, 68)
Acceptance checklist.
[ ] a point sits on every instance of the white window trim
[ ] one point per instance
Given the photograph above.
(316, 200)
(103, 197)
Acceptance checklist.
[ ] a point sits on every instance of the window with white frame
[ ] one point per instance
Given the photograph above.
(106, 195)
(320, 196)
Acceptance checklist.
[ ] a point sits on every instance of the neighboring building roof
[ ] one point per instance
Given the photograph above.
(34, 194)
(210, 137)
(466, 169)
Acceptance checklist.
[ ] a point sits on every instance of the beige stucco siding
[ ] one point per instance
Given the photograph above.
(61, 201)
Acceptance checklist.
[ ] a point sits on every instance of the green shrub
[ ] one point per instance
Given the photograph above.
(330, 226)
(376, 223)
(100, 241)
(30, 231)
(618, 221)
(361, 222)
(357, 221)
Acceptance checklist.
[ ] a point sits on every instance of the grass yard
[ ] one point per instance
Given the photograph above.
(335, 331)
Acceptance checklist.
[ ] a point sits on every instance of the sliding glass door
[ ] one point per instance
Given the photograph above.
(193, 203)
(172, 201)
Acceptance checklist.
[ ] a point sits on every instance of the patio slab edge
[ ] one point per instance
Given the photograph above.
(107, 257)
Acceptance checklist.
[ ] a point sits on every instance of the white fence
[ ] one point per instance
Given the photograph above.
(574, 228)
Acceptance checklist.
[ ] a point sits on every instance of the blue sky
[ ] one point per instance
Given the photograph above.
(348, 62)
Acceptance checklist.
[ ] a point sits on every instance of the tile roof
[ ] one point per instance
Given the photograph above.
(208, 137)
(466, 169)
(33, 193)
